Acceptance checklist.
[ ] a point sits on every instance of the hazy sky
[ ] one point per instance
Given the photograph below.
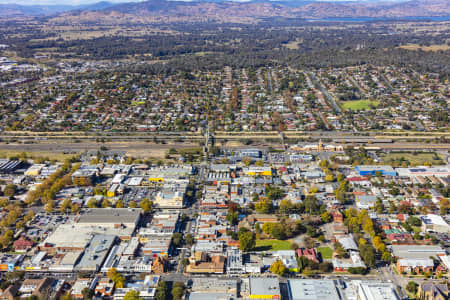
(58, 2)
(78, 2)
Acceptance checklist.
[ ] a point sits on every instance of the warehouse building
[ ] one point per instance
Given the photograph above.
(372, 170)
(264, 288)
(310, 289)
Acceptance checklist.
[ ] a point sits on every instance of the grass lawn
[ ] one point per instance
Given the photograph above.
(359, 104)
(326, 252)
(418, 159)
(272, 245)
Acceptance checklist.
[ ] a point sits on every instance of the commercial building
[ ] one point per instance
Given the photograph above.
(415, 265)
(77, 288)
(34, 170)
(253, 153)
(374, 290)
(440, 171)
(213, 289)
(96, 253)
(365, 201)
(170, 198)
(120, 222)
(288, 258)
(258, 171)
(434, 223)
(10, 166)
(35, 287)
(417, 252)
(372, 170)
(310, 289)
(264, 288)
(146, 288)
(110, 217)
(235, 262)
(212, 265)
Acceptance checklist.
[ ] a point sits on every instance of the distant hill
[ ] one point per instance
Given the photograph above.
(415, 8)
(229, 11)
(38, 10)
(31, 10)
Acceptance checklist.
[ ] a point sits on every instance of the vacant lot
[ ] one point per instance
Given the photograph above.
(59, 156)
(294, 45)
(426, 48)
(272, 245)
(359, 104)
(413, 159)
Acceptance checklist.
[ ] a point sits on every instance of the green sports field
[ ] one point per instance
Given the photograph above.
(359, 104)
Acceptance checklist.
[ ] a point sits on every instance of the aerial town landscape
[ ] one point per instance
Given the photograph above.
(214, 150)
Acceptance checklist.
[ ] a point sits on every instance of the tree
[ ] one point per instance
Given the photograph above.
(274, 193)
(178, 290)
(233, 207)
(326, 267)
(246, 241)
(232, 217)
(161, 291)
(87, 293)
(379, 245)
(146, 205)
(106, 203)
(340, 251)
(263, 206)
(4, 202)
(75, 208)
(412, 287)
(185, 261)
(15, 275)
(255, 197)
(92, 203)
(67, 296)
(50, 206)
(132, 204)
(329, 177)
(247, 161)
(312, 206)
(29, 216)
(278, 268)
(259, 163)
(189, 239)
(379, 207)
(66, 205)
(357, 270)
(286, 206)
(111, 273)
(324, 164)
(132, 295)
(10, 190)
(177, 239)
(444, 206)
(119, 204)
(6, 239)
(414, 221)
(326, 217)
(386, 256)
(116, 277)
(278, 231)
(367, 252)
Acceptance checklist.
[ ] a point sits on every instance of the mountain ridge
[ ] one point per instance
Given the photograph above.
(230, 11)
